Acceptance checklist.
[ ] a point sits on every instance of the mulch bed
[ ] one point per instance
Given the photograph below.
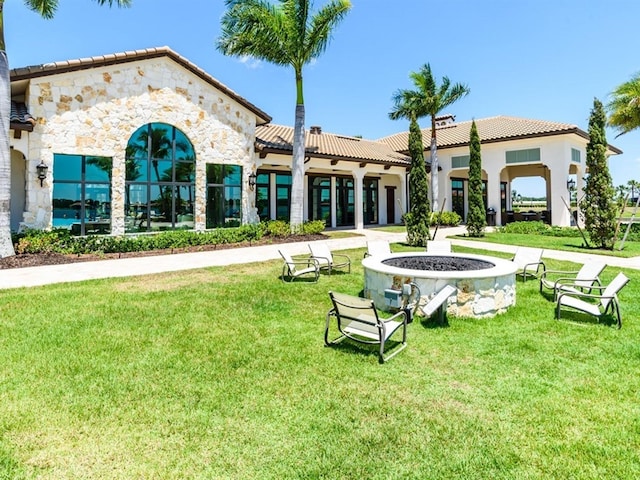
(40, 259)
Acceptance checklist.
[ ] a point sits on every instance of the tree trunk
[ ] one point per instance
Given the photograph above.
(297, 171)
(6, 245)
(434, 175)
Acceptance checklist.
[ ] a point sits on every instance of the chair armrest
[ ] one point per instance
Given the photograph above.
(306, 261)
(583, 295)
(572, 282)
(347, 259)
(317, 259)
(395, 315)
(558, 272)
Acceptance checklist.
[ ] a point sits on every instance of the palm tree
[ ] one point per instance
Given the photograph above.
(283, 34)
(633, 186)
(624, 106)
(46, 8)
(432, 99)
(621, 192)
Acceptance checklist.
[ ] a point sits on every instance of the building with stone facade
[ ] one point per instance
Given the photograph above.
(146, 141)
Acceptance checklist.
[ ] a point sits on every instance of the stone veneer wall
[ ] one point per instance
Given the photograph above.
(95, 112)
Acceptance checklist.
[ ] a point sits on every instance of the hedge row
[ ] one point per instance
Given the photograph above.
(61, 241)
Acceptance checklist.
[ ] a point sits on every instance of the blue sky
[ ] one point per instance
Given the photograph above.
(542, 59)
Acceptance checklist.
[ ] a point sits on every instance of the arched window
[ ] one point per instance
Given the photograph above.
(160, 180)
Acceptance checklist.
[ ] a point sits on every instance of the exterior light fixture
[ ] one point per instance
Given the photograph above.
(571, 184)
(252, 180)
(42, 171)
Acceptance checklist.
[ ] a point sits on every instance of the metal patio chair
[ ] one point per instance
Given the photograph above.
(293, 269)
(526, 258)
(571, 280)
(327, 260)
(358, 320)
(597, 305)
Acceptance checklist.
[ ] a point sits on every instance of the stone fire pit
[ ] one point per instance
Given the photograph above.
(485, 286)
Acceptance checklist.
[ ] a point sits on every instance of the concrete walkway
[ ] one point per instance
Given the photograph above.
(127, 267)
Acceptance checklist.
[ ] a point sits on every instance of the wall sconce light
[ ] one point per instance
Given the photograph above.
(252, 180)
(571, 184)
(42, 171)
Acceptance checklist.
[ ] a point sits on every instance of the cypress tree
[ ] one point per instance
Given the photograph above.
(417, 219)
(476, 218)
(598, 206)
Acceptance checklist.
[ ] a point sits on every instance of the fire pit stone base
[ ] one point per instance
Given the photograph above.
(479, 293)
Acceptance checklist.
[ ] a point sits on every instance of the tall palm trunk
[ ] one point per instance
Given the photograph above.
(297, 167)
(6, 246)
(297, 171)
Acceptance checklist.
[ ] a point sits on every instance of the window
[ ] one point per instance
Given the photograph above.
(320, 199)
(159, 180)
(523, 156)
(370, 200)
(263, 197)
(283, 196)
(224, 195)
(82, 194)
(575, 155)
(345, 202)
(460, 162)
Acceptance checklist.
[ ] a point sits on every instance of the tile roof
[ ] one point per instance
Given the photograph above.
(493, 129)
(20, 114)
(279, 139)
(26, 73)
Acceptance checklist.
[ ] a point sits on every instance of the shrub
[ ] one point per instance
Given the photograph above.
(61, 241)
(536, 227)
(313, 227)
(447, 219)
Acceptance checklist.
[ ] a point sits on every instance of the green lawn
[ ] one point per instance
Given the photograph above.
(571, 244)
(222, 373)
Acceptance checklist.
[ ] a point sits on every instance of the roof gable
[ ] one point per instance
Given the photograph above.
(27, 73)
(279, 139)
(492, 129)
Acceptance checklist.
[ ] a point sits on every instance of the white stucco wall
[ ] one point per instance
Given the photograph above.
(555, 153)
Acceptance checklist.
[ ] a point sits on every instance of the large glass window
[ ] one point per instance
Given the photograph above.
(345, 207)
(283, 196)
(263, 197)
(160, 180)
(320, 199)
(224, 195)
(82, 194)
(370, 200)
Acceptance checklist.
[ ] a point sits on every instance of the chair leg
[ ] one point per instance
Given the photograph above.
(617, 309)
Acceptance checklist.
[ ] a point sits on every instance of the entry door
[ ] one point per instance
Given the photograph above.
(370, 200)
(391, 205)
(457, 196)
(320, 199)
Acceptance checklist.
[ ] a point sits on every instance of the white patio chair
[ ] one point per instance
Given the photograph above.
(377, 248)
(526, 258)
(572, 280)
(293, 269)
(327, 260)
(606, 300)
(358, 320)
(439, 246)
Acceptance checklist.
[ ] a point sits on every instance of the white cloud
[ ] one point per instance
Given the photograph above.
(250, 62)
